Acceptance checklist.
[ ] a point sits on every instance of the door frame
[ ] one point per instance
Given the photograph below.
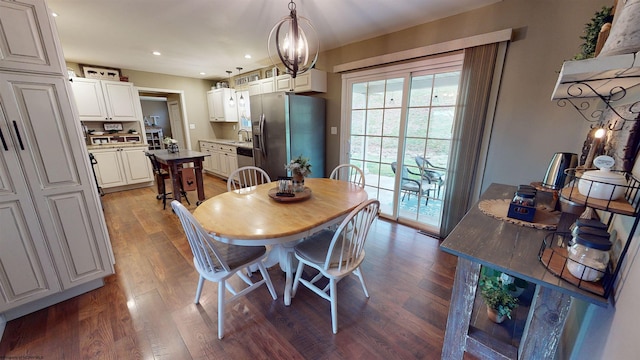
(181, 104)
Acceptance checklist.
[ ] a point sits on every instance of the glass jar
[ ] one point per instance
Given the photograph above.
(524, 198)
(588, 257)
(588, 230)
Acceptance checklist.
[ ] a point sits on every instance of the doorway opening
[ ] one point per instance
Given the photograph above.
(164, 110)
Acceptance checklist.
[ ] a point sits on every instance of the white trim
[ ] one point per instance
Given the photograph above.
(153, 98)
(440, 48)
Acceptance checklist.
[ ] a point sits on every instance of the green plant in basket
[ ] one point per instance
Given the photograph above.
(497, 295)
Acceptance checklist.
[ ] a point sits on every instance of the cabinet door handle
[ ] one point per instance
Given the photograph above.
(15, 126)
(4, 143)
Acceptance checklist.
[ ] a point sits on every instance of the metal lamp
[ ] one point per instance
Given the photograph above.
(241, 99)
(296, 43)
(231, 102)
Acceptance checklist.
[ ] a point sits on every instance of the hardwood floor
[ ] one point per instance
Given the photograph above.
(146, 310)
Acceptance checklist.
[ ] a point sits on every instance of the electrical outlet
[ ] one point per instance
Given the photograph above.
(192, 126)
(334, 130)
(234, 127)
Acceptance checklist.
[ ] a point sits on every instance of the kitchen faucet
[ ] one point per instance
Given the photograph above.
(246, 137)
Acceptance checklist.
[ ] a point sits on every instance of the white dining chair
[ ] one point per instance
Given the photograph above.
(216, 261)
(336, 254)
(247, 176)
(348, 172)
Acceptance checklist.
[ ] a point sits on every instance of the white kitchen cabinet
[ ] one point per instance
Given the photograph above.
(206, 147)
(122, 166)
(102, 100)
(223, 160)
(231, 163)
(54, 242)
(263, 86)
(27, 38)
(54, 235)
(311, 81)
(284, 83)
(220, 110)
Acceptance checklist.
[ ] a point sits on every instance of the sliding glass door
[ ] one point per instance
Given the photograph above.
(399, 130)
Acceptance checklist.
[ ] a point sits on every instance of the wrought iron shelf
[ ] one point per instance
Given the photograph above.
(553, 252)
(582, 84)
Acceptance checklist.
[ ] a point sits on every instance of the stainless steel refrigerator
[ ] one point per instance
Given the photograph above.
(284, 126)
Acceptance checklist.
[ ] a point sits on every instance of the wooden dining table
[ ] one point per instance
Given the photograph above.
(251, 217)
(175, 162)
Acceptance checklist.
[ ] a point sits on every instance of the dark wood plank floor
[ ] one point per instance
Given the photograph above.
(146, 310)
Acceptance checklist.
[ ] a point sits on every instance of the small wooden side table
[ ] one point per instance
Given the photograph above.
(483, 240)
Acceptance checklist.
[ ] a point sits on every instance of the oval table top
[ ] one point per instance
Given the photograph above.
(250, 217)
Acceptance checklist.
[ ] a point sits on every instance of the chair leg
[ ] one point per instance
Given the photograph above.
(182, 192)
(334, 305)
(267, 279)
(221, 290)
(364, 286)
(199, 290)
(296, 281)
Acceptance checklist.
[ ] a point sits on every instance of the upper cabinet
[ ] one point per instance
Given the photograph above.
(262, 86)
(101, 100)
(28, 38)
(220, 107)
(313, 80)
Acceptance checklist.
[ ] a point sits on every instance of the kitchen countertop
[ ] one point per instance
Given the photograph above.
(115, 145)
(244, 144)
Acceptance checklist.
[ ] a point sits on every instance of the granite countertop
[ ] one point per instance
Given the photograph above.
(244, 144)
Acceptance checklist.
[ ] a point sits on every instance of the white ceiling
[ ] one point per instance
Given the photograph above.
(212, 36)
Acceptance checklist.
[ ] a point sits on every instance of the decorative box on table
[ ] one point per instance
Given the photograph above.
(523, 205)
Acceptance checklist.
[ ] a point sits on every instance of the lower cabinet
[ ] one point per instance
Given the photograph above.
(223, 160)
(122, 166)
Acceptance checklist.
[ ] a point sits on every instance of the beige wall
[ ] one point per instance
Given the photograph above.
(528, 127)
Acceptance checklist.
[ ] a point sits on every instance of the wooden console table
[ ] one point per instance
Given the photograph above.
(483, 240)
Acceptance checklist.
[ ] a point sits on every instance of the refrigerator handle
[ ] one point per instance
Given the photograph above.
(262, 147)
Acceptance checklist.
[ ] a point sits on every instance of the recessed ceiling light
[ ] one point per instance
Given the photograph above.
(156, 53)
(247, 56)
(203, 73)
(54, 14)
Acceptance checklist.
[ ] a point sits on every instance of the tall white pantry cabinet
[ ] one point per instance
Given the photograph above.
(53, 239)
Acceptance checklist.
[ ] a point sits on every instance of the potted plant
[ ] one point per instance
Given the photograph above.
(172, 144)
(299, 167)
(496, 295)
(592, 31)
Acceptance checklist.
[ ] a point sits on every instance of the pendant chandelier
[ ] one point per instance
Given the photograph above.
(231, 102)
(295, 42)
(241, 99)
